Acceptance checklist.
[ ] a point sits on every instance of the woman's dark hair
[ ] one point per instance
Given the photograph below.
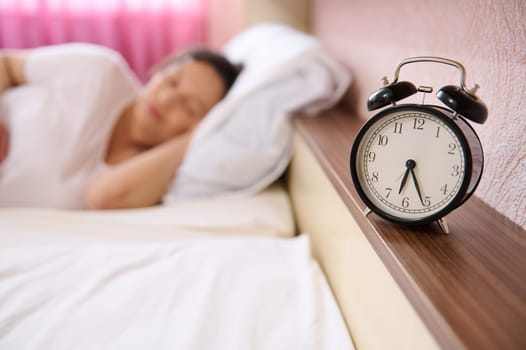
(224, 68)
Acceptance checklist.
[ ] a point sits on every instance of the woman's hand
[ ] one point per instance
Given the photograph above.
(140, 181)
(12, 73)
(12, 69)
(4, 141)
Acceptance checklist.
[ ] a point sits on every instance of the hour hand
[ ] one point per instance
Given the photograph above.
(404, 180)
(409, 165)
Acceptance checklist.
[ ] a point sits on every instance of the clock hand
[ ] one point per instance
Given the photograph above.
(409, 164)
(417, 186)
(404, 180)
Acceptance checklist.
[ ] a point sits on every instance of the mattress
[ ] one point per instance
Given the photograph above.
(208, 274)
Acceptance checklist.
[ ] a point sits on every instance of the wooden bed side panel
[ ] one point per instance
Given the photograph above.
(377, 313)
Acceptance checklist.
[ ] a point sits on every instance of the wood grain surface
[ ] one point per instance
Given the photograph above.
(469, 287)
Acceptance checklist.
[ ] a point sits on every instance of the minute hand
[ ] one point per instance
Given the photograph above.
(417, 186)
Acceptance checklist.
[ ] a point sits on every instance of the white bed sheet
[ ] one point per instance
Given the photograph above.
(268, 213)
(229, 293)
(191, 275)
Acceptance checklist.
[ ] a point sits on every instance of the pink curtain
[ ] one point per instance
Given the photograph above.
(144, 31)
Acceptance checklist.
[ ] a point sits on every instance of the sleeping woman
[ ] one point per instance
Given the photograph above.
(78, 130)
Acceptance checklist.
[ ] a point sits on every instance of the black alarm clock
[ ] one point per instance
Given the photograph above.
(415, 163)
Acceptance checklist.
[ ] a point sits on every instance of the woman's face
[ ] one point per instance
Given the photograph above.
(174, 101)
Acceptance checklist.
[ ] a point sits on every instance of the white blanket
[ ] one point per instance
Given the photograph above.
(229, 293)
(196, 275)
(245, 142)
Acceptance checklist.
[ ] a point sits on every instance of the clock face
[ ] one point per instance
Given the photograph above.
(410, 164)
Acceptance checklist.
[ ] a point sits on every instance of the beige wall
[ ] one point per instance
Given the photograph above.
(292, 12)
(489, 37)
(228, 17)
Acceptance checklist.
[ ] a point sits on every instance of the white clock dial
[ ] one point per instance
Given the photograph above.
(410, 164)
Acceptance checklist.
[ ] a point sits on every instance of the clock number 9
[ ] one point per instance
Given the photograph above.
(371, 156)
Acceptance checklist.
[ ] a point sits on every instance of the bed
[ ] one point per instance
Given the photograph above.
(194, 274)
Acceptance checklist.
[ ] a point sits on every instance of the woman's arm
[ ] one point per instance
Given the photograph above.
(140, 181)
(12, 69)
(4, 141)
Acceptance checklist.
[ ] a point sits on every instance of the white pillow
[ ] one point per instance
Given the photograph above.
(245, 142)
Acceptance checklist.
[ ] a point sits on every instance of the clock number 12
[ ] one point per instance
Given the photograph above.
(419, 124)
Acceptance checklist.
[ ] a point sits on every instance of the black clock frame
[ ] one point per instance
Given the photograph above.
(449, 118)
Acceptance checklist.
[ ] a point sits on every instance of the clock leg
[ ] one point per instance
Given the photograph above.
(443, 225)
(366, 211)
